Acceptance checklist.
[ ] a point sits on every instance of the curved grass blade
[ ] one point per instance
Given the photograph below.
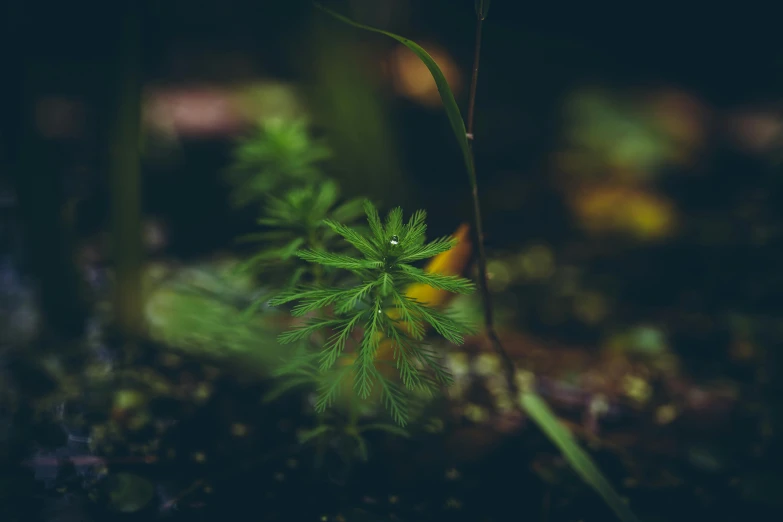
(446, 94)
(578, 458)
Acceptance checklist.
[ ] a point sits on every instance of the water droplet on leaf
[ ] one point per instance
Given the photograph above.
(395, 240)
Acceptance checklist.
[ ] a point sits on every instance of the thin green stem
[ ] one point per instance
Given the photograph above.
(489, 322)
(474, 77)
(127, 250)
(315, 244)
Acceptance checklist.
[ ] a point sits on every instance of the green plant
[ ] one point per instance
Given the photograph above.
(378, 310)
(293, 221)
(346, 432)
(343, 430)
(349, 436)
(277, 167)
(277, 154)
(531, 403)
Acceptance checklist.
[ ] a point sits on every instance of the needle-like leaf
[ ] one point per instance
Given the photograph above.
(377, 310)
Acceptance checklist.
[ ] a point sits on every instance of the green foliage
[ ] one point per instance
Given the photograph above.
(349, 437)
(293, 221)
(344, 433)
(277, 167)
(531, 403)
(378, 308)
(579, 459)
(446, 94)
(199, 311)
(278, 154)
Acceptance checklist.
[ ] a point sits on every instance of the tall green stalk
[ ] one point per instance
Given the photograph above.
(124, 171)
(482, 7)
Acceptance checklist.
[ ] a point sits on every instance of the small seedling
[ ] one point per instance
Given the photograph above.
(378, 307)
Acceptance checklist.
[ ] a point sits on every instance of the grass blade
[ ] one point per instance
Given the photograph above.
(578, 458)
(446, 94)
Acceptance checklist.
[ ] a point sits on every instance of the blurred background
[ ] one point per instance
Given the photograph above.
(629, 165)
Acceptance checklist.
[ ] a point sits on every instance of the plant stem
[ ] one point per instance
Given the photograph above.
(489, 322)
(315, 244)
(474, 78)
(127, 250)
